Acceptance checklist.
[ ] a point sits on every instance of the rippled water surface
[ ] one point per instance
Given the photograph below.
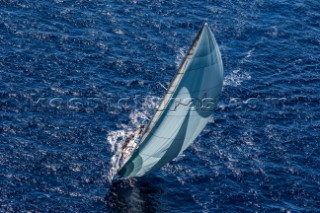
(76, 77)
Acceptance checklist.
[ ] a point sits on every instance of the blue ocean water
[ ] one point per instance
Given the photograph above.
(76, 77)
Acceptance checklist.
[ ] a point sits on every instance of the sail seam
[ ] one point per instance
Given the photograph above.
(193, 91)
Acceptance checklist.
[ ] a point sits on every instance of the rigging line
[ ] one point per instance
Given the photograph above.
(162, 86)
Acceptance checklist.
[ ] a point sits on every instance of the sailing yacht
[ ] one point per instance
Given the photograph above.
(184, 110)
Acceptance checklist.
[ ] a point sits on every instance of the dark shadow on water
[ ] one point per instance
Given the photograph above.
(149, 194)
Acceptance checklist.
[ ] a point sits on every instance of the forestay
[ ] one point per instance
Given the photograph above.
(184, 110)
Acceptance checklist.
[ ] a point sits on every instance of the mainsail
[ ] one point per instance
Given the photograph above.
(184, 110)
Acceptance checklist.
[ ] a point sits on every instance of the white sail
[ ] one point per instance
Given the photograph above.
(184, 110)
